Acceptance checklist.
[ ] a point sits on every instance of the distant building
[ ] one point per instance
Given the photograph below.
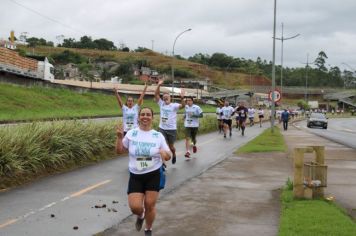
(154, 76)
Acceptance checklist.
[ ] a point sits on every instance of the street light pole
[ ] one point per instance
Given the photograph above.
(306, 80)
(173, 58)
(282, 39)
(273, 66)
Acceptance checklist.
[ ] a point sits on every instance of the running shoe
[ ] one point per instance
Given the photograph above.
(187, 154)
(195, 149)
(243, 132)
(148, 232)
(174, 159)
(230, 134)
(224, 135)
(139, 223)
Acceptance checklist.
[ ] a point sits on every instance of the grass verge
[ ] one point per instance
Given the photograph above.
(265, 142)
(35, 103)
(30, 151)
(313, 217)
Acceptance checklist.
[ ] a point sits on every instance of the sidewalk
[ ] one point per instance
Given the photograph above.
(238, 196)
(341, 162)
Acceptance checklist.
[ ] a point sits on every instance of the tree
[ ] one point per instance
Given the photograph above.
(68, 43)
(85, 70)
(125, 49)
(86, 42)
(303, 105)
(141, 49)
(34, 42)
(105, 74)
(200, 58)
(104, 44)
(320, 61)
(68, 57)
(125, 70)
(220, 60)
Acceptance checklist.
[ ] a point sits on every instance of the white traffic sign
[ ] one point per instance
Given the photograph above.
(277, 95)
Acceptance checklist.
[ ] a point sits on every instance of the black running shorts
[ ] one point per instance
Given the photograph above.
(228, 122)
(140, 183)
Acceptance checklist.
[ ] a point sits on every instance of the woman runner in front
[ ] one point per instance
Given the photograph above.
(148, 152)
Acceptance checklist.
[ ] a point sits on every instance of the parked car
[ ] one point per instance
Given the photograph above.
(317, 119)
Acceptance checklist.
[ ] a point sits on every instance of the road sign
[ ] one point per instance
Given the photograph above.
(277, 96)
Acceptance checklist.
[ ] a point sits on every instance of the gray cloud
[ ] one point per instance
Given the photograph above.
(236, 27)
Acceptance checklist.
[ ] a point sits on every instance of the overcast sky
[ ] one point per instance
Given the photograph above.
(240, 28)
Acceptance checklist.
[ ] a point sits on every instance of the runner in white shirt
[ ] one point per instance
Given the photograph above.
(227, 112)
(219, 117)
(191, 123)
(168, 117)
(148, 151)
(130, 110)
(251, 115)
(260, 115)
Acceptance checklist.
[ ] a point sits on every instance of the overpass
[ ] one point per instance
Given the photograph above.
(345, 97)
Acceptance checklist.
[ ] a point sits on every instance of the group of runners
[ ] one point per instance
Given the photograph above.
(149, 150)
(225, 113)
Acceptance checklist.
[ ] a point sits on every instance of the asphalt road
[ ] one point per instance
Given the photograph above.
(71, 197)
(340, 130)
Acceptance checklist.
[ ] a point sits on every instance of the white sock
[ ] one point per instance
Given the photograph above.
(143, 214)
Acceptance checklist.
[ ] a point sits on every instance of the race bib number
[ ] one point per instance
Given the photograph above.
(189, 121)
(164, 119)
(143, 163)
(129, 125)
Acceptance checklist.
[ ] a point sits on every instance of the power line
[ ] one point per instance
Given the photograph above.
(46, 17)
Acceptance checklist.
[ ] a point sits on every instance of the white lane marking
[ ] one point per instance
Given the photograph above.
(28, 214)
(73, 195)
(47, 206)
(64, 199)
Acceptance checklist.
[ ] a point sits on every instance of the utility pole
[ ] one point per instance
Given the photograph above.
(306, 79)
(273, 67)
(152, 43)
(282, 39)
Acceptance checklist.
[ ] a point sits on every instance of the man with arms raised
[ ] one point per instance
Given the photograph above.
(168, 117)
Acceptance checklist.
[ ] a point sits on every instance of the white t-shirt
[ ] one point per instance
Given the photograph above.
(227, 112)
(260, 112)
(218, 113)
(189, 120)
(251, 112)
(130, 117)
(144, 149)
(168, 115)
